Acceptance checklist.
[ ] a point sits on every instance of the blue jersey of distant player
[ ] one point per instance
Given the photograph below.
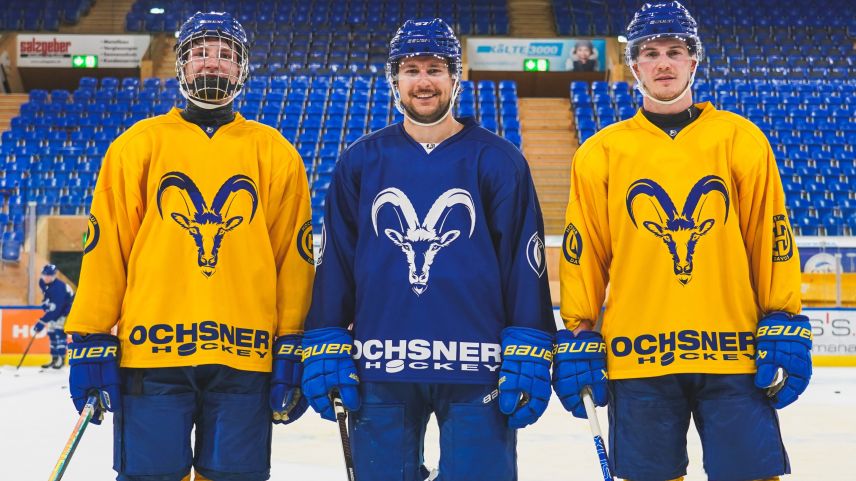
(57, 299)
(430, 255)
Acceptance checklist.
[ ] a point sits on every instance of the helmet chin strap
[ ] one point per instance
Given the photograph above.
(641, 88)
(207, 105)
(455, 90)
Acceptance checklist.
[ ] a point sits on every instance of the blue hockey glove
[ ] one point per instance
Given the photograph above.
(524, 378)
(328, 367)
(38, 326)
(783, 341)
(580, 362)
(286, 400)
(94, 363)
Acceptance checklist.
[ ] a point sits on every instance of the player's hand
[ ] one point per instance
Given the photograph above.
(286, 400)
(328, 367)
(783, 342)
(580, 361)
(38, 326)
(94, 366)
(524, 378)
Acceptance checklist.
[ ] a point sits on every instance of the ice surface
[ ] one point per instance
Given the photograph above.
(36, 418)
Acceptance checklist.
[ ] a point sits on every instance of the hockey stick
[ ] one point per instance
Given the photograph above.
(29, 345)
(595, 432)
(342, 419)
(77, 433)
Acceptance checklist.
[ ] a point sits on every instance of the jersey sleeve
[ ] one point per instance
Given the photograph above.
(586, 244)
(115, 218)
(290, 229)
(770, 245)
(517, 228)
(334, 277)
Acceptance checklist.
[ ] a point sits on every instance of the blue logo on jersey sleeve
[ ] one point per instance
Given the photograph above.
(304, 242)
(572, 245)
(93, 233)
(679, 231)
(783, 240)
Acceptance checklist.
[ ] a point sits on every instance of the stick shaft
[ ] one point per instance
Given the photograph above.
(73, 440)
(342, 419)
(594, 425)
(29, 345)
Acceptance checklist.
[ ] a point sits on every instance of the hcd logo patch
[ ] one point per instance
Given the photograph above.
(93, 233)
(572, 245)
(304, 242)
(783, 240)
(535, 254)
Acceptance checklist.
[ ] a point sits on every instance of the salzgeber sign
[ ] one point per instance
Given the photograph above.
(56, 51)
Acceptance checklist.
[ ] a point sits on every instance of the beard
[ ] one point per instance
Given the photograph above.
(212, 87)
(430, 118)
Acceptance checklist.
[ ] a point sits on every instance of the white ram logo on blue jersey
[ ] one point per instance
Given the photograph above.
(420, 241)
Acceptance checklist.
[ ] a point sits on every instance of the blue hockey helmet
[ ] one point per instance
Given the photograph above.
(233, 51)
(662, 20)
(49, 270)
(424, 37)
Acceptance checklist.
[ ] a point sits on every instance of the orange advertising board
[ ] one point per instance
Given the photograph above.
(16, 327)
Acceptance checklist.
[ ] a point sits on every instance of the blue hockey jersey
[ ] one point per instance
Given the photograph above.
(429, 256)
(57, 301)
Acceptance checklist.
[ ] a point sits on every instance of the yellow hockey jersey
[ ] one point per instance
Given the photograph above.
(199, 249)
(692, 236)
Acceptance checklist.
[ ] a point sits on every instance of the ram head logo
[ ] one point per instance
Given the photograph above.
(207, 225)
(679, 231)
(421, 241)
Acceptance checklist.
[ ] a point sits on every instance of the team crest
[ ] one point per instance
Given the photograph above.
(783, 240)
(208, 225)
(93, 233)
(422, 240)
(535, 255)
(304, 242)
(680, 231)
(572, 245)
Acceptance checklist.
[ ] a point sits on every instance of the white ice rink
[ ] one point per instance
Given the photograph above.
(36, 417)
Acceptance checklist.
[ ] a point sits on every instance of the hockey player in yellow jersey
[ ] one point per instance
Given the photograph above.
(681, 211)
(199, 254)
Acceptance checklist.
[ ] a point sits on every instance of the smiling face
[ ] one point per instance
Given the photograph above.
(664, 66)
(425, 85)
(583, 52)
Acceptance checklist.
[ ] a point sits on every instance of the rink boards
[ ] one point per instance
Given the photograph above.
(834, 332)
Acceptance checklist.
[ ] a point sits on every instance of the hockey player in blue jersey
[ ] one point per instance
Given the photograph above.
(431, 295)
(57, 304)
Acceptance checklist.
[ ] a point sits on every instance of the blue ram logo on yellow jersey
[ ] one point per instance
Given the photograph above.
(207, 225)
(680, 231)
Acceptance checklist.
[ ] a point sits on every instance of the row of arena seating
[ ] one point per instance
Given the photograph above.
(34, 15)
(810, 125)
(479, 17)
(53, 150)
(610, 17)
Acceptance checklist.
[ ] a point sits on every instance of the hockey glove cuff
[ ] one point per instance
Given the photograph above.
(783, 341)
(524, 378)
(328, 367)
(39, 326)
(580, 362)
(286, 400)
(94, 368)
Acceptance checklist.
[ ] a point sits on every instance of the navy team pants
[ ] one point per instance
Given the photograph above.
(649, 419)
(160, 406)
(388, 432)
